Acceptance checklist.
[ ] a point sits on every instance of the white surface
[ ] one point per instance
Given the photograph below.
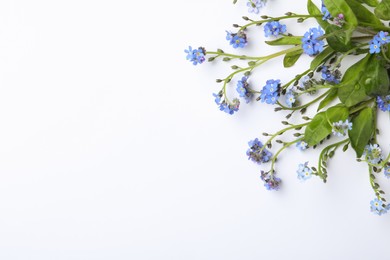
(111, 146)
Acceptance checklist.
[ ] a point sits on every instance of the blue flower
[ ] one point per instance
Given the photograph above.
(383, 103)
(304, 172)
(325, 12)
(373, 153)
(271, 182)
(311, 45)
(386, 171)
(378, 206)
(382, 37)
(237, 40)
(375, 46)
(218, 97)
(340, 128)
(257, 153)
(330, 76)
(196, 55)
(230, 108)
(254, 6)
(270, 92)
(291, 98)
(243, 89)
(274, 28)
(224, 106)
(302, 145)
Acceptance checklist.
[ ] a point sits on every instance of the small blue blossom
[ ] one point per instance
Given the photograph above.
(382, 37)
(271, 182)
(378, 207)
(291, 98)
(270, 92)
(243, 89)
(196, 55)
(302, 145)
(310, 43)
(254, 6)
(340, 128)
(227, 107)
(330, 76)
(325, 12)
(386, 171)
(237, 40)
(274, 28)
(373, 153)
(383, 103)
(304, 172)
(257, 153)
(375, 46)
(230, 108)
(218, 97)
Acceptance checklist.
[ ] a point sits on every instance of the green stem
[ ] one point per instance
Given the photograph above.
(242, 57)
(298, 77)
(278, 19)
(285, 145)
(326, 149)
(361, 106)
(280, 132)
(307, 104)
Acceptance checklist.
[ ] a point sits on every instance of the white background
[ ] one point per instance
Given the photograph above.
(111, 145)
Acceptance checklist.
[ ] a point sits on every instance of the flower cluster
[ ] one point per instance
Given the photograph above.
(254, 6)
(196, 55)
(270, 92)
(257, 152)
(274, 28)
(341, 128)
(304, 172)
(383, 103)
(237, 40)
(311, 41)
(346, 104)
(380, 39)
(243, 89)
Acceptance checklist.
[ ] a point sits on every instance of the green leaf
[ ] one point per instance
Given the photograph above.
(375, 79)
(351, 91)
(362, 13)
(329, 98)
(287, 40)
(317, 129)
(382, 11)
(291, 58)
(338, 42)
(321, 58)
(320, 126)
(371, 3)
(313, 10)
(362, 130)
(336, 7)
(337, 113)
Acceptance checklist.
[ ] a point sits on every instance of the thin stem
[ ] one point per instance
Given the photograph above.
(285, 145)
(278, 19)
(307, 104)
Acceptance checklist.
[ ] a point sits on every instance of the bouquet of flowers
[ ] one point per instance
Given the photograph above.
(347, 104)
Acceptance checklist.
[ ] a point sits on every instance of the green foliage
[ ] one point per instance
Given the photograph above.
(351, 89)
(362, 130)
(320, 126)
(382, 11)
(291, 58)
(287, 40)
